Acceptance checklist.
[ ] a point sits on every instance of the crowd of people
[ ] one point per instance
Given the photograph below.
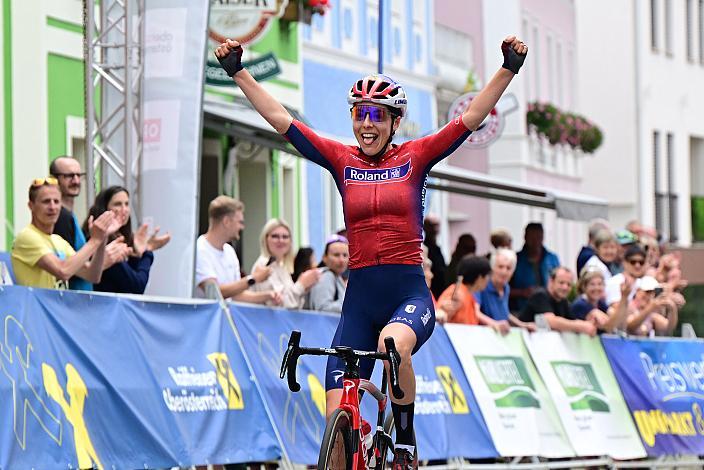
(623, 280)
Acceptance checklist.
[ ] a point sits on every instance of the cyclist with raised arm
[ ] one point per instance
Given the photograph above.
(383, 190)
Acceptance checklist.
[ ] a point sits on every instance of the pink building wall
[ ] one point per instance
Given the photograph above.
(466, 16)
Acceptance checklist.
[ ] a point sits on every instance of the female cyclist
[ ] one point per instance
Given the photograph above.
(382, 188)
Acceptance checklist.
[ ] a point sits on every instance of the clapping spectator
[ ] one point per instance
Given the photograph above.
(128, 276)
(552, 303)
(217, 262)
(276, 252)
(635, 267)
(533, 268)
(304, 260)
(42, 259)
(457, 303)
(328, 293)
(466, 245)
(605, 255)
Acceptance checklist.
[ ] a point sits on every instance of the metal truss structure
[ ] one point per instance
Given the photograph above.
(113, 51)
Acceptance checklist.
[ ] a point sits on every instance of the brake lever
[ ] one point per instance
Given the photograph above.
(394, 363)
(290, 361)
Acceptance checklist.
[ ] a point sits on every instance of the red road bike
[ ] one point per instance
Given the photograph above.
(346, 444)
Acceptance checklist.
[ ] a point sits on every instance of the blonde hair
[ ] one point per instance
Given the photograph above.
(222, 206)
(269, 227)
(588, 273)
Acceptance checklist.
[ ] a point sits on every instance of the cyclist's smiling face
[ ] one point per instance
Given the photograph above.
(278, 241)
(371, 135)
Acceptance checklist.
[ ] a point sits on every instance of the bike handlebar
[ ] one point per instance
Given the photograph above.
(294, 351)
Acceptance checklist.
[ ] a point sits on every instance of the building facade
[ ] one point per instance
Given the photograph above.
(650, 166)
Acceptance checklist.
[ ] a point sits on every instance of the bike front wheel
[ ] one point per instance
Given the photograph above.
(336, 449)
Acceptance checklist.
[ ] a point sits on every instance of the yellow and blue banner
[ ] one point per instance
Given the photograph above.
(662, 381)
(108, 382)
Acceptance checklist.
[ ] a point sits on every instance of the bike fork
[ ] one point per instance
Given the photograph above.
(380, 434)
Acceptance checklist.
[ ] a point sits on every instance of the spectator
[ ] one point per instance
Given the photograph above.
(304, 260)
(625, 240)
(42, 259)
(275, 242)
(67, 172)
(651, 312)
(217, 262)
(466, 245)
(588, 250)
(501, 238)
(493, 300)
(427, 270)
(431, 228)
(130, 276)
(552, 303)
(590, 305)
(457, 303)
(328, 293)
(533, 267)
(635, 267)
(606, 254)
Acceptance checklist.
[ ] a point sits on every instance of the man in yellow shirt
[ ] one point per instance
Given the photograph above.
(42, 259)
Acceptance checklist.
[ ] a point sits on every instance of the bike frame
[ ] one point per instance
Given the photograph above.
(351, 386)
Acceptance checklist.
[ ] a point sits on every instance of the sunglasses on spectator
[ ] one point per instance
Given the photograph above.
(278, 236)
(70, 176)
(636, 261)
(44, 181)
(375, 113)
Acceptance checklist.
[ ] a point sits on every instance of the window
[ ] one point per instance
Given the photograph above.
(453, 47)
(347, 23)
(560, 76)
(550, 66)
(668, 27)
(671, 195)
(689, 40)
(373, 32)
(701, 31)
(657, 185)
(536, 68)
(397, 41)
(654, 31)
(419, 47)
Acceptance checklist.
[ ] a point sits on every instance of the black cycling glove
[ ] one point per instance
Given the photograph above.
(232, 63)
(512, 60)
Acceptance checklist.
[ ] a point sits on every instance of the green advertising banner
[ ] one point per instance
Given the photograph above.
(585, 392)
(516, 406)
(261, 68)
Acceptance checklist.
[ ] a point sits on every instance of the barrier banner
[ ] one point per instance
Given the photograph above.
(586, 395)
(97, 380)
(448, 422)
(662, 381)
(516, 406)
(299, 417)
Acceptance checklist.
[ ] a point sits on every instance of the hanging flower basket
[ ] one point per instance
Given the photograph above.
(303, 10)
(559, 127)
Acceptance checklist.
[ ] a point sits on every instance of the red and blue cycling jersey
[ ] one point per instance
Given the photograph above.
(383, 199)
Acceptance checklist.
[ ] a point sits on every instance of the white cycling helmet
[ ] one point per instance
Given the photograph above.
(379, 89)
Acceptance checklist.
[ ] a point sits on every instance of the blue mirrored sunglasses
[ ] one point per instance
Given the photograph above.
(375, 113)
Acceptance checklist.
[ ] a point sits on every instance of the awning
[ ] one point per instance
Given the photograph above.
(239, 119)
(568, 205)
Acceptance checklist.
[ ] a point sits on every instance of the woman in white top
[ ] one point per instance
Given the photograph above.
(276, 252)
(606, 253)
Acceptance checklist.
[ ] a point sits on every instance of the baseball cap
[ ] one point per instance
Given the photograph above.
(634, 250)
(647, 283)
(626, 237)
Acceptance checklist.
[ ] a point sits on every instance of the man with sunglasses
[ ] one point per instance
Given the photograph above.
(67, 171)
(382, 188)
(635, 266)
(42, 259)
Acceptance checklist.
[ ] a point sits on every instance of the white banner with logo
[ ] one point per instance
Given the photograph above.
(515, 404)
(174, 57)
(586, 394)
